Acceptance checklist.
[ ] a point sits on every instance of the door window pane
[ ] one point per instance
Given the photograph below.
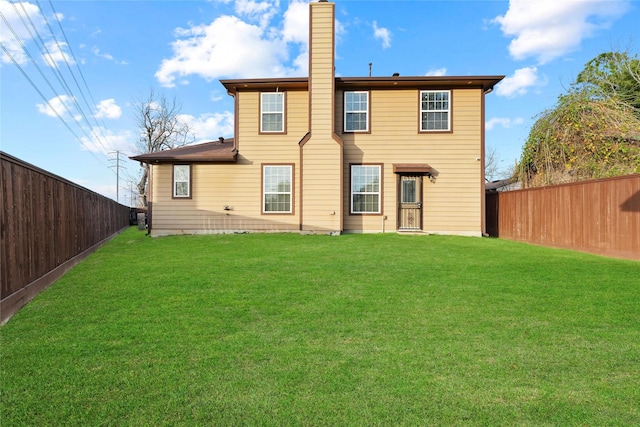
(409, 190)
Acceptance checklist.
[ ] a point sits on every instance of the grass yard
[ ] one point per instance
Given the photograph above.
(285, 329)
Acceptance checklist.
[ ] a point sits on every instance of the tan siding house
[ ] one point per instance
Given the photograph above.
(331, 154)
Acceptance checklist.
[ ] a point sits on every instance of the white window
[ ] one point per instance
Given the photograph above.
(272, 112)
(356, 111)
(365, 188)
(435, 110)
(277, 189)
(181, 181)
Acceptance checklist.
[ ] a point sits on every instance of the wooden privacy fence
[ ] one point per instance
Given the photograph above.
(600, 216)
(48, 225)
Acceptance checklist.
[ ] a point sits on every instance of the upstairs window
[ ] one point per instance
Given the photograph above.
(272, 112)
(356, 111)
(181, 181)
(435, 110)
(277, 189)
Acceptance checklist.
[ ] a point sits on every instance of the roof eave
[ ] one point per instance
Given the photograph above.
(290, 83)
(301, 83)
(227, 158)
(437, 82)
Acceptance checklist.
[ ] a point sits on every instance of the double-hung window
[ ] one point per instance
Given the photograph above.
(277, 188)
(435, 110)
(182, 181)
(272, 112)
(365, 189)
(356, 111)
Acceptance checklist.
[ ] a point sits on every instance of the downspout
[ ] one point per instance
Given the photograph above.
(150, 200)
(235, 119)
(483, 196)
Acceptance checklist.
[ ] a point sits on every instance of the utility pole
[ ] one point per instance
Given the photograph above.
(117, 167)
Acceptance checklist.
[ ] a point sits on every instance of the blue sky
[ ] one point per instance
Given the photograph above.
(87, 62)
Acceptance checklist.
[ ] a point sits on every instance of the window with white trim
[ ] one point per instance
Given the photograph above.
(276, 189)
(435, 111)
(356, 111)
(272, 112)
(365, 188)
(181, 181)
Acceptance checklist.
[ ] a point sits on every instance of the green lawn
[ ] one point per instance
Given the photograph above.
(355, 330)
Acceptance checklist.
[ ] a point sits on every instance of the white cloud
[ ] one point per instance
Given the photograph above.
(296, 30)
(209, 127)
(519, 83)
(503, 121)
(237, 47)
(7, 38)
(341, 31)
(257, 11)
(216, 96)
(97, 52)
(383, 34)
(55, 54)
(548, 29)
(296, 23)
(106, 141)
(108, 109)
(437, 72)
(59, 106)
(107, 56)
(226, 47)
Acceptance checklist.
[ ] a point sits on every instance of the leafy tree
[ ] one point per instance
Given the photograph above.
(612, 74)
(593, 131)
(160, 128)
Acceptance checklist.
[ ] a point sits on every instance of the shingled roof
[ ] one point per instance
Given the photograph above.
(223, 150)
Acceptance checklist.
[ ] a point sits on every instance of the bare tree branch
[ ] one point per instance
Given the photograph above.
(160, 127)
(492, 166)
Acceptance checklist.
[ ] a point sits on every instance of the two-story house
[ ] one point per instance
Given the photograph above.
(331, 154)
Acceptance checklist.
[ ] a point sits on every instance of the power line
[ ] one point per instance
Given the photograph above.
(64, 34)
(55, 66)
(6, 51)
(43, 48)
